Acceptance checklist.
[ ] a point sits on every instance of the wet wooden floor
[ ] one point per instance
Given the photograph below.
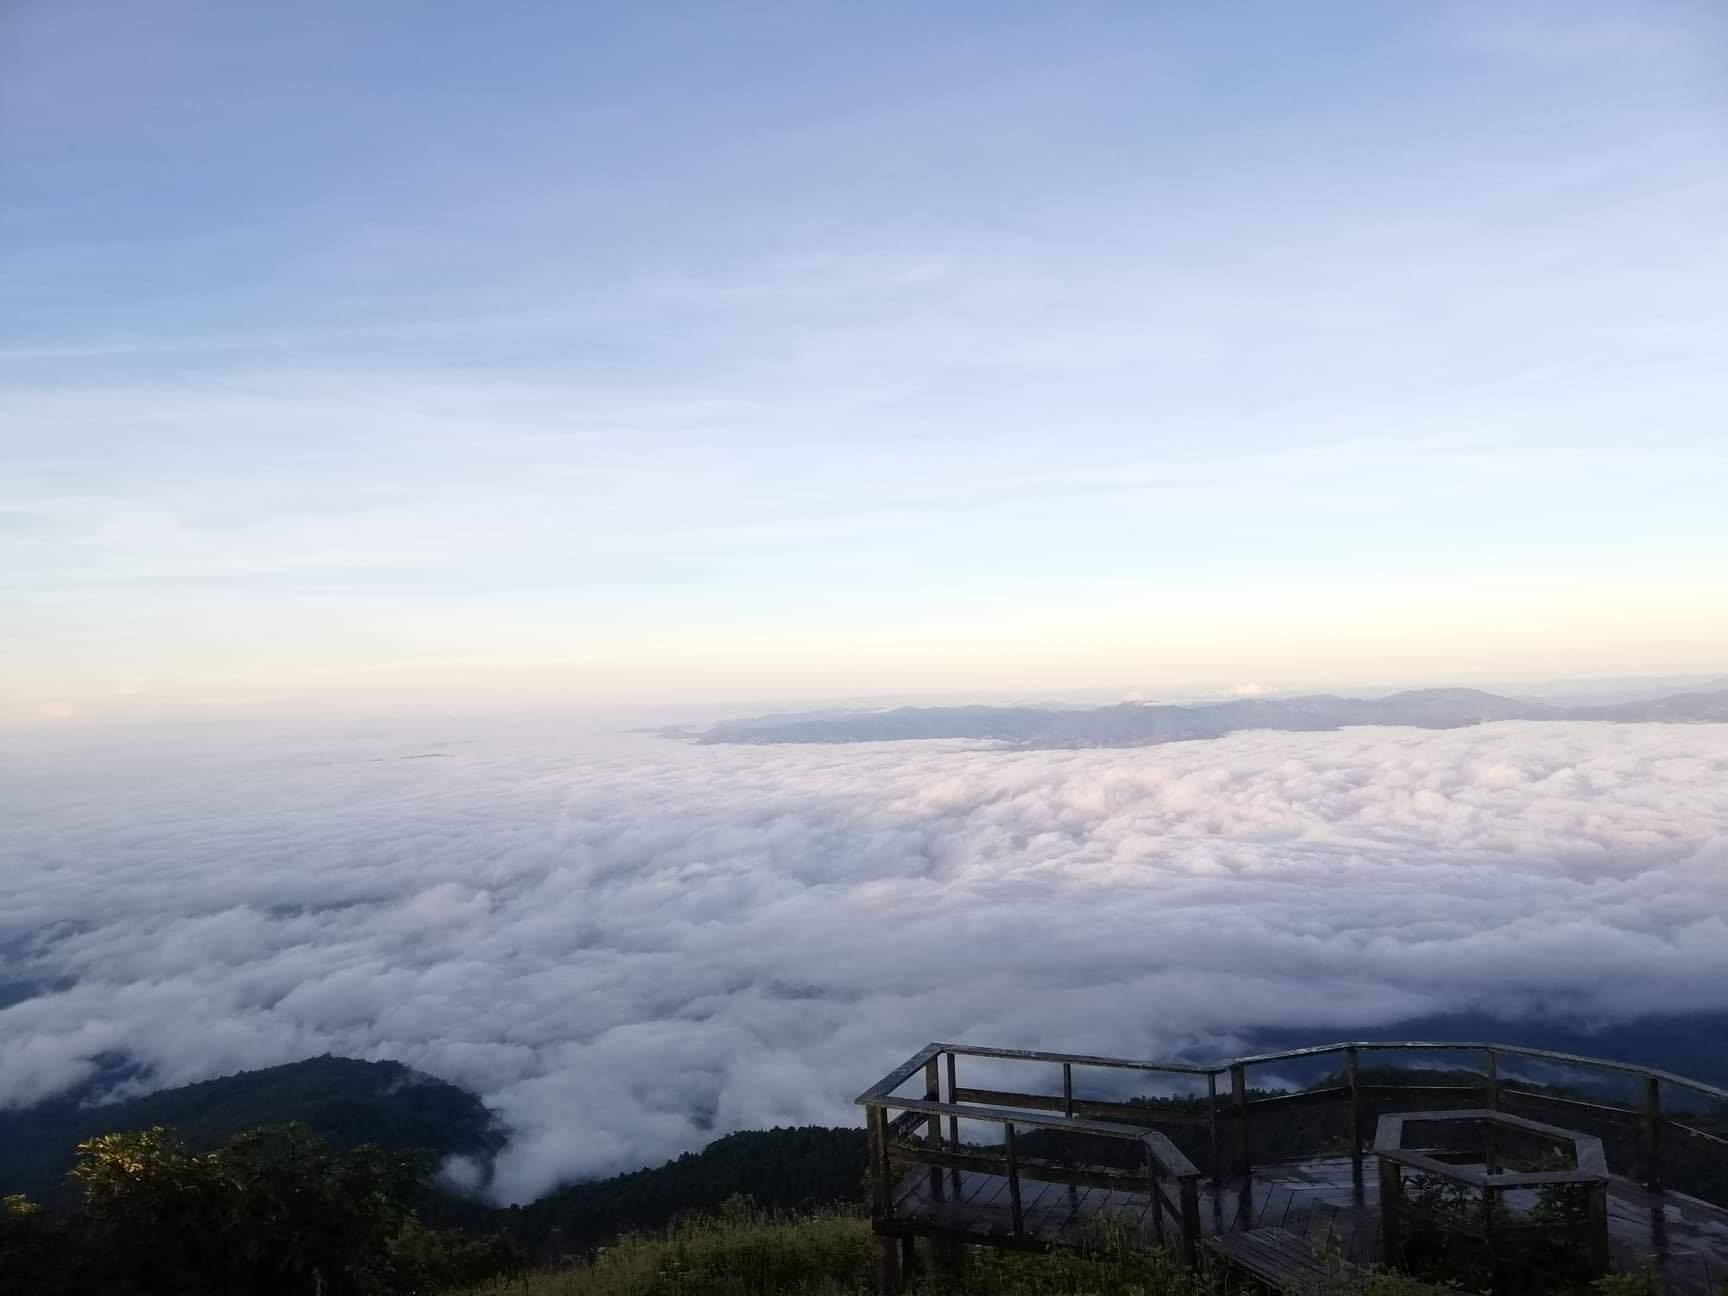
(1683, 1239)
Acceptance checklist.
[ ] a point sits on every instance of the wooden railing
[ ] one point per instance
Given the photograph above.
(1236, 1111)
(1648, 1120)
(1588, 1174)
(894, 1141)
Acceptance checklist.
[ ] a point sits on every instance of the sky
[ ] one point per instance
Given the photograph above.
(628, 946)
(688, 352)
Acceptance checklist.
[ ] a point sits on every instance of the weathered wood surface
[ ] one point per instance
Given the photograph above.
(1487, 1048)
(1490, 1050)
(1649, 1116)
(1280, 1259)
(964, 1193)
(1068, 1105)
(902, 1073)
(1590, 1166)
(1321, 1200)
(1170, 1159)
(1075, 1059)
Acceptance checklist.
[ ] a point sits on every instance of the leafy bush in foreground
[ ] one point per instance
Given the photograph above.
(273, 1212)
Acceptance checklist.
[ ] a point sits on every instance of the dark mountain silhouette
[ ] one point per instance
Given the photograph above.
(791, 1168)
(345, 1101)
(348, 1102)
(1135, 724)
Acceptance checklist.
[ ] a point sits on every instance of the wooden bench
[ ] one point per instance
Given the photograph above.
(1278, 1259)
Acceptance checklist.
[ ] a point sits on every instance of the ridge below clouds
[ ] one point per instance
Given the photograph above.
(1137, 724)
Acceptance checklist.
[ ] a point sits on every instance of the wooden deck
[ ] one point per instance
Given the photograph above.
(1066, 1155)
(1322, 1200)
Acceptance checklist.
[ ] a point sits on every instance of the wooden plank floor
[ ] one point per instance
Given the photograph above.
(1278, 1258)
(1322, 1200)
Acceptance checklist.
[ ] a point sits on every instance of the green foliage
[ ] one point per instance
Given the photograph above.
(1640, 1282)
(1110, 1261)
(744, 1251)
(801, 1169)
(272, 1202)
(177, 1202)
(272, 1212)
(1543, 1250)
(740, 1250)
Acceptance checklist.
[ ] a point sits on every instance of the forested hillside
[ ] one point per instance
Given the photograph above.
(798, 1168)
(346, 1102)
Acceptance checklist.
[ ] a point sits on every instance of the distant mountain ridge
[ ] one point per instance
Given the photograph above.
(1132, 724)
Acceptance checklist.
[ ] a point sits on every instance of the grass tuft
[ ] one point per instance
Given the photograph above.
(744, 1251)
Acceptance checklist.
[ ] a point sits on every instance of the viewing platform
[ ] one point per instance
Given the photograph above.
(1035, 1149)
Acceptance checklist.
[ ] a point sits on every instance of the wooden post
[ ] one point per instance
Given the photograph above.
(1597, 1200)
(1490, 1243)
(887, 1162)
(1239, 1087)
(1157, 1197)
(1189, 1191)
(879, 1202)
(887, 1265)
(1653, 1134)
(1068, 1090)
(1013, 1180)
(1391, 1210)
(933, 1126)
(1158, 1201)
(953, 1121)
(1212, 1124)
(948, 1256)
(1492, 1102)
(1351, 1067)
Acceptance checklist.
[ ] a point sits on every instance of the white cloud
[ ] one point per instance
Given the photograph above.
(627, 944)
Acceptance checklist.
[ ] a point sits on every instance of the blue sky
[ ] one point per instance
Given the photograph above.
(629, 352)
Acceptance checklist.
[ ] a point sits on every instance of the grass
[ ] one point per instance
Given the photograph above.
(739, 1252)
(746, 1252)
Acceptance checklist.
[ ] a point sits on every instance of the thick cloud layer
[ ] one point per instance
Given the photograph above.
(627, 944)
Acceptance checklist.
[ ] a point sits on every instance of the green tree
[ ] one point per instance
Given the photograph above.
(274, 1212)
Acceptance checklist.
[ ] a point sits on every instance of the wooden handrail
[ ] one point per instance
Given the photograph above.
(1223, 1066)
(1163, 1158)
(1169, 1157)
(1513, 1050)
(1075, 1059)
(902, 1073)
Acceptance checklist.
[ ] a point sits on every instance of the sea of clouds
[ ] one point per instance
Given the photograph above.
(627, 944)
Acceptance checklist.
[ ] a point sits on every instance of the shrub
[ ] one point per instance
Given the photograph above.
(271, 1213)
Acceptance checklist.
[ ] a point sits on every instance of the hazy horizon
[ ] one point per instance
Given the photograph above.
(687, 354)
(509, 696)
